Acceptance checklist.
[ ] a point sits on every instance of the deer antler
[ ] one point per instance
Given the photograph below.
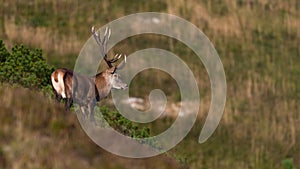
(103, 47)
(122, 64)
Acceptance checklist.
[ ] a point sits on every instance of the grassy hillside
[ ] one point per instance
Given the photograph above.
(36, 133)
(258, 42)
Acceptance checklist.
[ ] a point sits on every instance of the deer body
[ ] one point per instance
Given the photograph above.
(86, 91)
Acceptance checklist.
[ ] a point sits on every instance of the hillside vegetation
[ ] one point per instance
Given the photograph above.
(258, 42)
(36, 133)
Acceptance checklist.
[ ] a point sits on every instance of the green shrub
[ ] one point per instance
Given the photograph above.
(24, 66)
(126, 127)
(123, 125)
(3, 55)
(288, 163)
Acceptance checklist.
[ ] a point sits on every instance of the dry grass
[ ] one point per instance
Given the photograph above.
(198, 14)
(37, 133)
(258, 42)
(47, 39)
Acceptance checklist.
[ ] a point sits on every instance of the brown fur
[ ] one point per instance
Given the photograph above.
(84, 91)
(56, 76)
(102, 85)
(67, 82)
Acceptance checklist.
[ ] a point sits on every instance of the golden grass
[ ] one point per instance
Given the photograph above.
(261, 116)
(36, 133)
(47, 39)
(198, 14)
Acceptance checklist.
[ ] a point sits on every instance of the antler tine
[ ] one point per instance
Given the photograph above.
(99, 42)
(103, 47)
(103, 43)
(107, 33)
(123, 63)
(96, 36)
(106, 37)
(116, 58)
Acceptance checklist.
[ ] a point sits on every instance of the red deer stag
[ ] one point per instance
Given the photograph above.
(86, 91)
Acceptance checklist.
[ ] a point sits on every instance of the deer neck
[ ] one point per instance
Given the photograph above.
(103, 85)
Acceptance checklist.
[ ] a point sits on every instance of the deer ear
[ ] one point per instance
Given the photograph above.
(111, 70)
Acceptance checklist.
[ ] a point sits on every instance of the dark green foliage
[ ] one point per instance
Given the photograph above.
(24, 66)
(3, 53)
(288, 163)
(123, 125)
(127, 127)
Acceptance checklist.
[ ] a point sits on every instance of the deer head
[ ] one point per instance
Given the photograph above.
(110, 74)
(114, 79)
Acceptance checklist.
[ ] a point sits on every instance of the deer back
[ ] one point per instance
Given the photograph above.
(84, 89)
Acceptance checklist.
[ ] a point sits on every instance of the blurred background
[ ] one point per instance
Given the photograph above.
(258, 42)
